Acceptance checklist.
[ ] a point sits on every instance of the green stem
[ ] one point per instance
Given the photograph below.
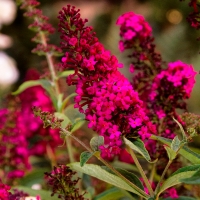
(141, 171)
(153, 170)
(162, 177)
(69, 149)
(107, 164)
(51, 66)
(49, 59)
(51, 155)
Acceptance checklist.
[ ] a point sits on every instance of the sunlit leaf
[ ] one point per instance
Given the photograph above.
(195, 179)
(100, 173)
(176, 178)
(129, 175)
(187, 153)
(138, 146)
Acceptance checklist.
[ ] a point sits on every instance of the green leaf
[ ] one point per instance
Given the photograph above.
(45, 195)
(65, 119)
(182, 130)
(195, 179)
(113, 194)
(100, 173)
(129, 175)
(26, 85)
(66, 100)
(77, 125)
(65, 73)
(180, 198)
(176, 177)
(35, 176)
(187, 153)
(170, 152)
(85, 156)
(73, 114)
(59, 102)
(96, 141)
(138, 146)
(41, 82)
(176, 143)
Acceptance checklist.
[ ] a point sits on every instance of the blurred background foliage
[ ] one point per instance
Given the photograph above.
(174, 37)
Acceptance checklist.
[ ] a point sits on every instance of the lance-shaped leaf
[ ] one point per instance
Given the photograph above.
(73, 114)
(84, 157)
(176, 177)
(77, 125)
(114, 193)
(95, 142)
(66, 100)
(26, 85)
(195, 179)
(41, 82)
(187, 153)
(181, 198)
(182, 130)
(65, 73)
(129, 175)
(100, 173)
(138, 146)
(170, 152)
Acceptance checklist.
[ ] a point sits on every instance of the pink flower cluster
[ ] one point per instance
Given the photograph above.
(133, 29)
(162, 88)
(22, 133)
(178, 79)
(13, 146)
(4, 191)
(106, 97)
(169, 90)
(136, 36)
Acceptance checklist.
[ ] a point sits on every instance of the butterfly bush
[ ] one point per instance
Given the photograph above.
(136, 36)
(62, 182)
(104, 95)
(164, 88)
(20, 127)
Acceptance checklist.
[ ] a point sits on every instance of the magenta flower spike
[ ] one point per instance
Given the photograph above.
(104, 95)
